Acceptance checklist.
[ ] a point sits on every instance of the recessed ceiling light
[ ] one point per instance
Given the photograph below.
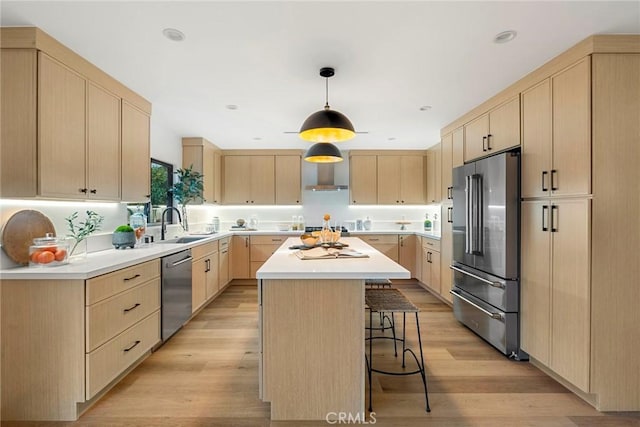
(505, 36)
(425, 108)
(257, 138)
(173, 34)
(392, 138)
(231, 107)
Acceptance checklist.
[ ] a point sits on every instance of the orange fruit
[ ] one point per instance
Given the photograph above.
(327, 217)
(34, 256)
(45, 257)
(51, 249)
(60, 255)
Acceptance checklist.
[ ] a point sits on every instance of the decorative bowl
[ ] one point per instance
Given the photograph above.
(309, 240)
(240, 222)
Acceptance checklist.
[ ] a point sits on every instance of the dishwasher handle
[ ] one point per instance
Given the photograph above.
(177, 263)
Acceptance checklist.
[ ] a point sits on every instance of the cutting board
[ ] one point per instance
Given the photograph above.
(20, 230)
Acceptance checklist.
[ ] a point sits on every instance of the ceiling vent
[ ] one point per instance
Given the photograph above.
(325, 179)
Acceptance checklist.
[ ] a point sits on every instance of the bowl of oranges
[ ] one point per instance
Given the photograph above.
(48, 251)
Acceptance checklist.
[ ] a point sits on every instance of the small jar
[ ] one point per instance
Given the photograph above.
(48, 251)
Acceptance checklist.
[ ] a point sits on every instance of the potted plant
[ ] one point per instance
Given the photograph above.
(188, 188)
(79, 232)
(124, 237)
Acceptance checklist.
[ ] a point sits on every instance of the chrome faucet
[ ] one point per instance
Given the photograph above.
(163, 226)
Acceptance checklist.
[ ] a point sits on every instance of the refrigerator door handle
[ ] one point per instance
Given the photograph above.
(476, 214)
(467, 214)
(489, 282)
(497, 316)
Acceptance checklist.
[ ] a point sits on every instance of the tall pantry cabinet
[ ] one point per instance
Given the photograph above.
(579, 274)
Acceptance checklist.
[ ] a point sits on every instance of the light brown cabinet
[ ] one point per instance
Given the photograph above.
(417, 247)
(446, 252)
(261, 248)
(205, 274)
(384, 243)
(407, 252)
(205, 158)
(556, 134)
(431, 264)
(363, 180)
(224, 264)
(452, 150)
(497, 130)
(288, 185)
(555, 286)
(240, 267)
(434, 171)
(400, 180)
(249, 180)
(136, 179)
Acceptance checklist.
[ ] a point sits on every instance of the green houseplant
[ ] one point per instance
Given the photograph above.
(187, 189)
(79, 232)
(124, 237)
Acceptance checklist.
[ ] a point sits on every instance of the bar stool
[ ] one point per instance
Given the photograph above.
(393, 301)
(381, 284)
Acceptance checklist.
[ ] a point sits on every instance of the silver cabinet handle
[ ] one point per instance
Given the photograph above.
(488, 282)
(497, 316)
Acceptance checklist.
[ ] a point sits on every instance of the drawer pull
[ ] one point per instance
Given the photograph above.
(126, 279)
(126, 310)
(373, 240)
(131, 348)
(276, 240)
(225, 251)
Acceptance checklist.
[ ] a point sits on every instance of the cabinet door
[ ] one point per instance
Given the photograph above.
(436, 284)
(213, 281)
(363, 181)
(223, 267)
(535, 280)
(288, 180)
(458, 147)
(446, 253)
(103, 144)
(572, 130)
(198, 283)
(135, 154)
(263, 185)
(570, 297)
(217, 177)
(418, 258)
(240, 258)
(407, 253)
(536, 140)
(412, 180)
(447, 165)
(504, 126)
(61, 130)
(389, 172)
(426, 269)
(208, 172)
(433, 175)
(475, 134)
(236, 180)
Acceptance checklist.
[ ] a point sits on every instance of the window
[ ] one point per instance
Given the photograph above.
(161, 183)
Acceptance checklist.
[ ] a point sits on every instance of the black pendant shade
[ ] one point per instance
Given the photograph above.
(327, 125)
(323, 152)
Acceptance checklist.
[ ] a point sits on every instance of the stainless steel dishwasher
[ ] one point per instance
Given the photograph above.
(176, 292)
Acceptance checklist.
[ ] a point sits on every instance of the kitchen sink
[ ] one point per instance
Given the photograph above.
(183, 239)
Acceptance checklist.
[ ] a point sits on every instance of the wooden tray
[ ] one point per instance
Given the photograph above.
(20, 230)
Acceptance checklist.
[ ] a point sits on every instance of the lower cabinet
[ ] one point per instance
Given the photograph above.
(224, 255)
(431, 264)
(204, 274)
(555, 283)
(385, 243)
(240, 268)
(64, 341)
(261, 248)
(407, 252)
(446, 252)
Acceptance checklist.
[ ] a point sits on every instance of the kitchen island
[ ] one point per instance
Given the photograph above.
(311, 321)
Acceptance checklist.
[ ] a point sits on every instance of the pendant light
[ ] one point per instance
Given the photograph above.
(323, 152)
(327, 125)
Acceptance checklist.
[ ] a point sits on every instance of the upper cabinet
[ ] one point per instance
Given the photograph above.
(392, 178)
(494, 131)
(452, 156)
(556, 134)
(67, 128)
(205, 158)
(363, 179)
(400, 180)
(434, 174)
(262, 177)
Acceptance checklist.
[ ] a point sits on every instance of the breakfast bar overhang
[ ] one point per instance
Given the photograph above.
(311, 325)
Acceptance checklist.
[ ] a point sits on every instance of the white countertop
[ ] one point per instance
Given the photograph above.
(98, 263)
(284, 264)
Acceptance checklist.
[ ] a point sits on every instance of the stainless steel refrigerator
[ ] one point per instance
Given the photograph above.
(486, 250)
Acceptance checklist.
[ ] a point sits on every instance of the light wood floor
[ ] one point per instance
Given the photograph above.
(207, 375)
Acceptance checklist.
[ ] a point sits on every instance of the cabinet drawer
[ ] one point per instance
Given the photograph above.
(379, 238)
(104, 364)
(268, 240)
(206, 248)
(262, 252)
(431, 244)
(113, 315)
(104, 286)
(224, 243)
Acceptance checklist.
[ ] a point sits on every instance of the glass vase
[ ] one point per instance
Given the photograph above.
(77, 250)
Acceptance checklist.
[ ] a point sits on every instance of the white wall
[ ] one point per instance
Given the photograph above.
(166, 144)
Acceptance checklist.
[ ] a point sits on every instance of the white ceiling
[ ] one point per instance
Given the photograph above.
(391, 58)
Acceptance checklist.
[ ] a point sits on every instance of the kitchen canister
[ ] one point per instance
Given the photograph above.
(216, 224)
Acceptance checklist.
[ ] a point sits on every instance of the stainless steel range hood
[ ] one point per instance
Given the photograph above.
(325, 179)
